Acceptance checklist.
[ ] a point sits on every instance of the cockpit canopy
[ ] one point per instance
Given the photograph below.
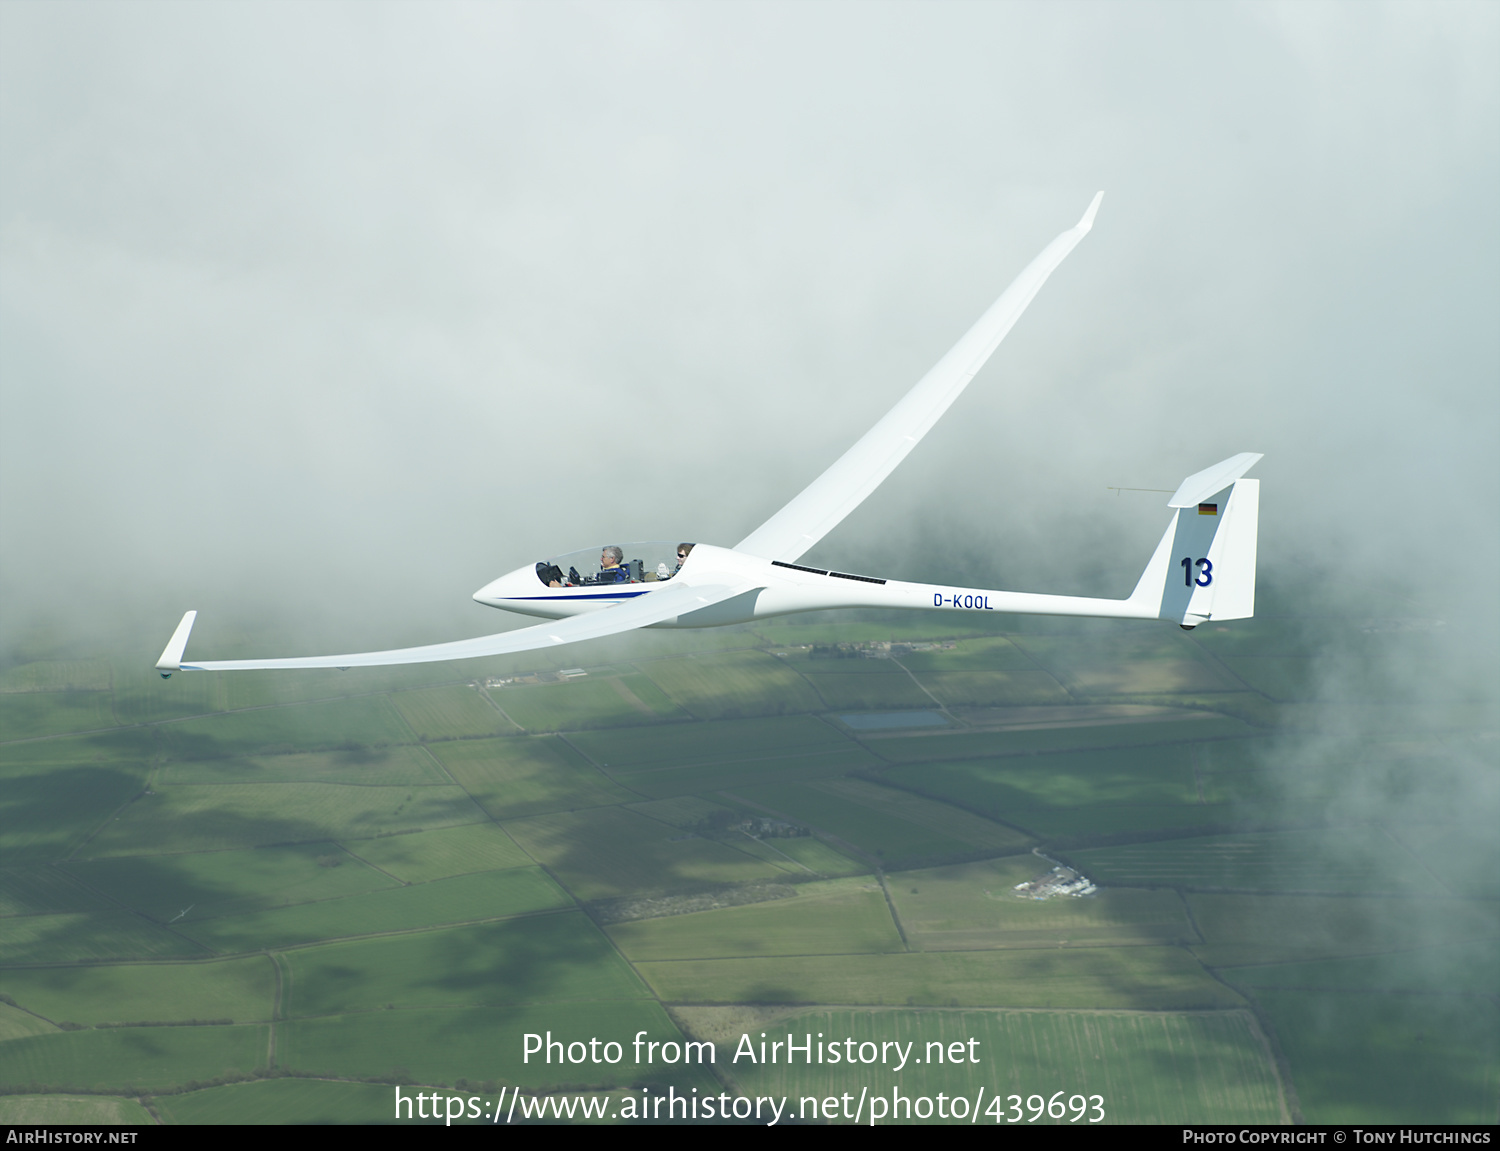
(637, 563)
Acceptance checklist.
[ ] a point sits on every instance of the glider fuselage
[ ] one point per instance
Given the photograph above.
(773, 588)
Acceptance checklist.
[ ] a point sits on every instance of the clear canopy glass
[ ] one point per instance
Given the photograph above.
(613, 563)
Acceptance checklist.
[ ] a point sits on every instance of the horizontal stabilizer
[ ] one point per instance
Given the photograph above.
(1200, 485)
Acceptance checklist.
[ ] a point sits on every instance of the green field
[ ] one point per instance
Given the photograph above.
(861, 685)
(136, 1058)
(1024, 688)
(610, 851)
(427, 855)
(833, 918)
(1159, 677)
(686, 812)
(974, 906)
(1345, 860)
(461, 899)
(995, 653)
(52, 810)
(1058, 735)
(691, 745)
(1000, 787)
(249, 689)
(611, 701)
(1273, 634)
(135, 746)
(281, 1101)
(17, 1024)
(884, 824)
(1129, 978)
(732, 684)
(1090, 823)
(1374, 1057)
(210, 884)
(267, 898)
(92, 936)
(449, 712)
(443, 1045)
(241, 990)
(366, 766)
(37, 890)
(365, 721)
(711, 778)
(817, 857)
(1128, 660)
(57, 675)
(542, 959)
(216, 817)
(1146, 1068)
(1254, 929)
(1458, 968)
(510, 778)
(72, 1111)
(974, 832)
(868, 692)
(25, 714)
(706, 758)
(858, 627)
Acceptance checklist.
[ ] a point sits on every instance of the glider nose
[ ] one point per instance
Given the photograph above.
(512, 584)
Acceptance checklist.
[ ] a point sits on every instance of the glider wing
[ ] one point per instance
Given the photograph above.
(657, 607)
(820, 506)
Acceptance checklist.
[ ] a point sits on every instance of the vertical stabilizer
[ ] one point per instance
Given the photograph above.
(1235, 546)
(1204, 566)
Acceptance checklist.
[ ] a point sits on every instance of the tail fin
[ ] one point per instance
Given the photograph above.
(1204, 566)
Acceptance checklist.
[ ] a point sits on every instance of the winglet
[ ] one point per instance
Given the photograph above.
(171, 656)
(1200, 485)
(1087, 222)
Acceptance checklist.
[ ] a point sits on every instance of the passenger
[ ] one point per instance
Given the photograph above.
(611, 569)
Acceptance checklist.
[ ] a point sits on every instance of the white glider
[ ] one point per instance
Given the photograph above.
(1203, 568)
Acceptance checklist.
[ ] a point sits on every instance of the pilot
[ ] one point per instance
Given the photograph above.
(611, 569)
(683, 551)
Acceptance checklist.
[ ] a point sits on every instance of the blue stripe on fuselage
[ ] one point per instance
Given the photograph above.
(610, 595)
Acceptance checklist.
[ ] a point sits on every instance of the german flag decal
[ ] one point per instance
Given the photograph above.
(1208, 509)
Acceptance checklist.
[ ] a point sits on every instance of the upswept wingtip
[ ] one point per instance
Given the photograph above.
(1088, 217)
(171, 657)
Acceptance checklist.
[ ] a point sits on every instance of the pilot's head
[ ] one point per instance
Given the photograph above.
(683, 551)
(612, 557)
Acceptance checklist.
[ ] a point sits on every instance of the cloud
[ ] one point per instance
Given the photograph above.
(323, 316)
